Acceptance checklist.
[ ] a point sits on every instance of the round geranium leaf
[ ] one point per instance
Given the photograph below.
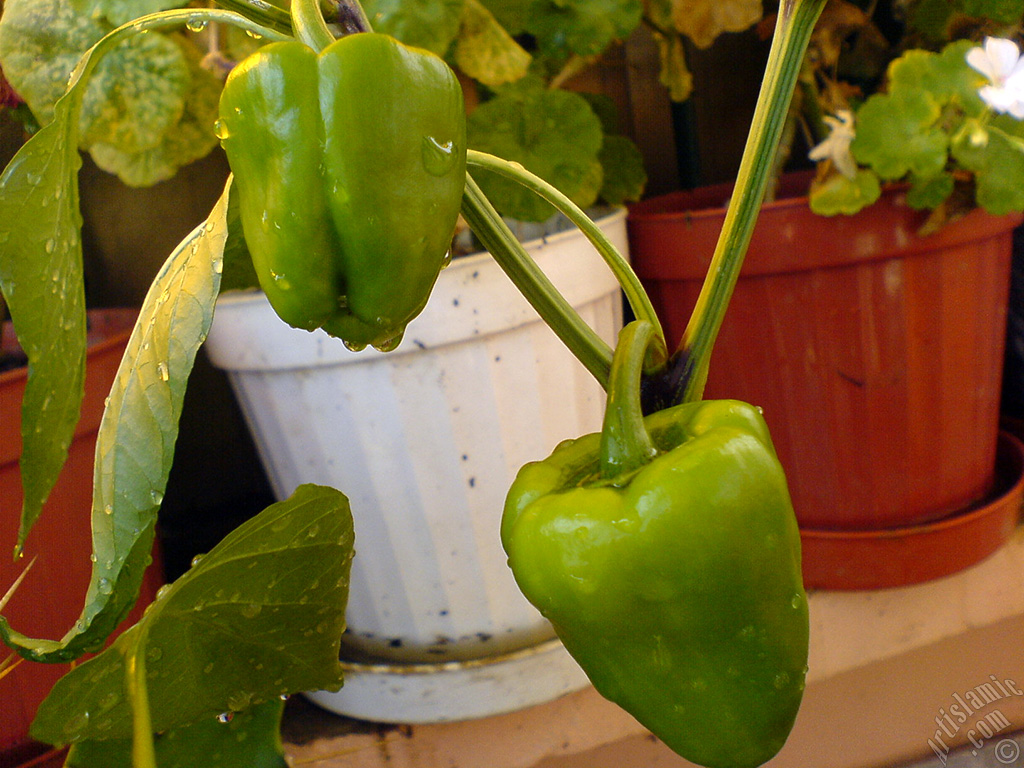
(897, 135)
(582, 27)
(551, 133)
(429, 24)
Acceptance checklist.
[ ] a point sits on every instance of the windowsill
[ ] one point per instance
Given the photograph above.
(882, 666)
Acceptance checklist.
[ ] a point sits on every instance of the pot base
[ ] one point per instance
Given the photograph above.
(456, 690)
(894, 557)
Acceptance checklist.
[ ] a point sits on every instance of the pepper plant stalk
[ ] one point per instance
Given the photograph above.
(637, 297)
(584, 343)
(795, 22)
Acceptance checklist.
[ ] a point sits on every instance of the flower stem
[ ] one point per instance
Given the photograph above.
(635, 293)
(589, 348)
(793, 29)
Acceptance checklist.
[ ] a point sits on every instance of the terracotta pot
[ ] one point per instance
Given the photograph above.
(875, 353)
(49, 600)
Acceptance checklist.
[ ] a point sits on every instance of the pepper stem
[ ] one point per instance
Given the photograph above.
(309, 25)
(584, 343)
(625, 443)
(635, 293)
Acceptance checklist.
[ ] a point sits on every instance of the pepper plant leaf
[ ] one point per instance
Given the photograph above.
(429, 24)
(554, 134)
(135, 443)
(583, 27)
(136, 94)
(485, 51)
(258, 617)
(251, 739)
(190, 139)
(41, 279)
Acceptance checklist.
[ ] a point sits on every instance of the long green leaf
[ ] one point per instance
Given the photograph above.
(260, 616)
(41, 265)
(251, 739)
(41, 279)
(135, 444)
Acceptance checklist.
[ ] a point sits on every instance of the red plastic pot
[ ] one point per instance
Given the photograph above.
(875, 353)
(49, 600)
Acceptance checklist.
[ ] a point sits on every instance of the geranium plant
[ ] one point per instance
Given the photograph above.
(934, 100)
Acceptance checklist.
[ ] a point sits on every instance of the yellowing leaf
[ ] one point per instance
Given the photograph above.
(704, 20)
(674, 75)
(485, 51)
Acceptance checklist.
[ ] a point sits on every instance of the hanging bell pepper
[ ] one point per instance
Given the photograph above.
(350, 166)
(666, 555)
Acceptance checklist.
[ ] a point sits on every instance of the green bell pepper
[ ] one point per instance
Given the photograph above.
(350, 166)
(666, 554)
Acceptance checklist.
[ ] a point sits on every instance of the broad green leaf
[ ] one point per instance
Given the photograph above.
(135, 443)
(997, 159)
(945, 76)
(839, 194)
(511, 14)
(485, 51)
(251, 739)
(927, 194)
(624, 176)
(584, 27)
(999, 11)
(430, 24)
(901, 135)
(260, 616)
(136, 93)
(551, 133)
(190, 139)
(41, 279)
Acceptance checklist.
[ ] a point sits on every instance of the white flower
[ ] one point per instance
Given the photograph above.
(837, 146)
(1000, 61)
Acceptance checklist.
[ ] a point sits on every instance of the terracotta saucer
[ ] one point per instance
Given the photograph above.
(894, 557)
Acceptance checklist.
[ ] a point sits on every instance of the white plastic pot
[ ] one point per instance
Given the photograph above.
(425, 440)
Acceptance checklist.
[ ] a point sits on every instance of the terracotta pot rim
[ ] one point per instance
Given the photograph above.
(672, 237)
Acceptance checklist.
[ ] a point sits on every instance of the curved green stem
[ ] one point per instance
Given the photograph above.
(793, 29)
(309, 25)
(589, 348)
(176, 18)
(635, 293)
(625, 443)
(261, 12)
